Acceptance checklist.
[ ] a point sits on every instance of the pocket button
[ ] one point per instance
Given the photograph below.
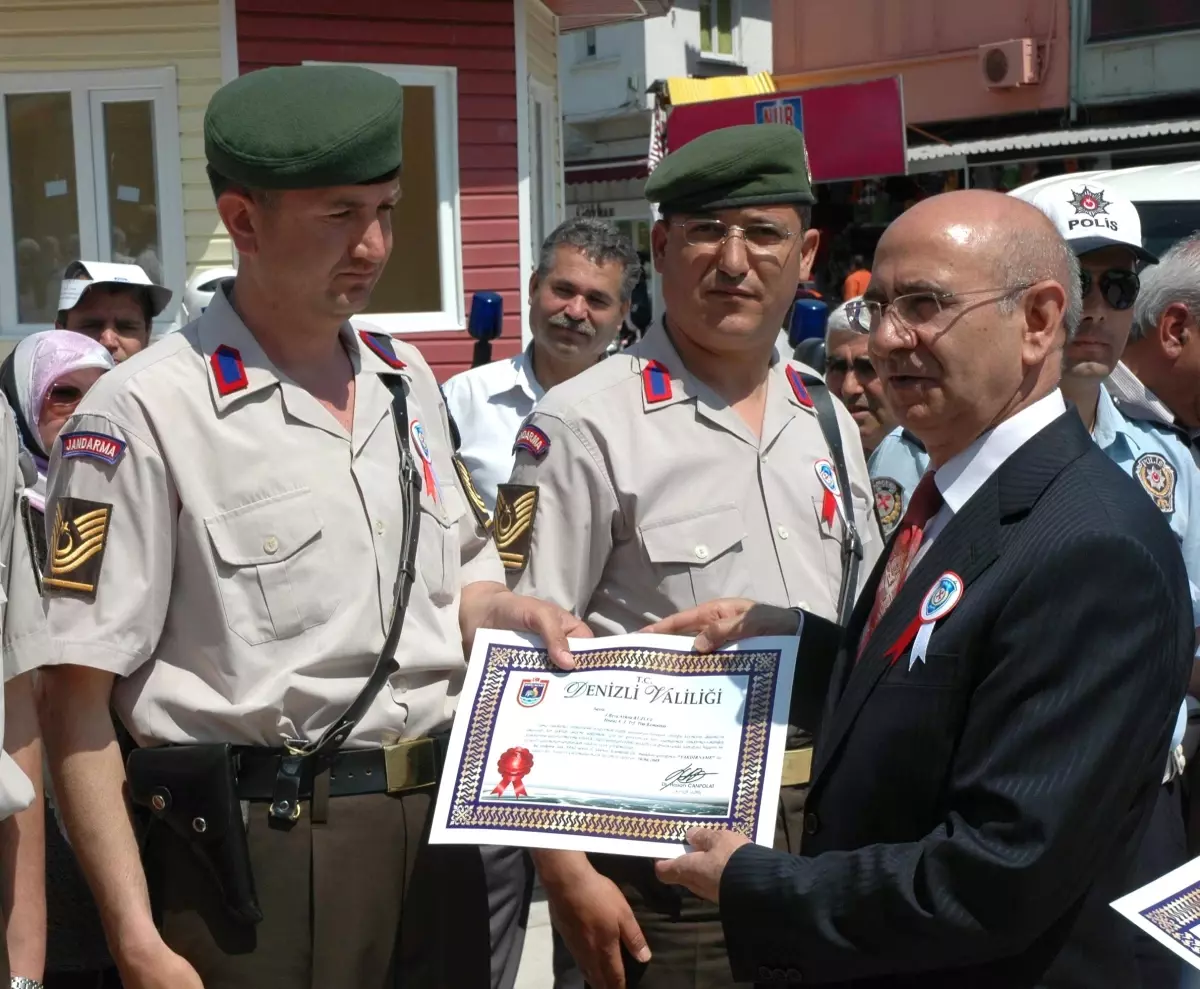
(702, 552)
(270, 545)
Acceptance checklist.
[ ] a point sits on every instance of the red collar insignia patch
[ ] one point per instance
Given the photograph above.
(381, 347)
(228, 370)
(656, 382)
(798, 389)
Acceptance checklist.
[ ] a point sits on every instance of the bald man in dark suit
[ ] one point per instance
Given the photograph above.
(999, 713)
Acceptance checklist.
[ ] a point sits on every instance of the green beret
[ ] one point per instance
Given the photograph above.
(746, 165)
(305, 127)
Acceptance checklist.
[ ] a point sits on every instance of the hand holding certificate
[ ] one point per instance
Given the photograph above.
(643, 740)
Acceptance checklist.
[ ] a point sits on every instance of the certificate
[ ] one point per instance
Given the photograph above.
(1168, 909)
(643, 740)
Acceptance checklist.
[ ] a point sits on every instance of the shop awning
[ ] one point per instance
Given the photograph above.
(607, 170)
(575, 15)
(955, 154)
(682, 90)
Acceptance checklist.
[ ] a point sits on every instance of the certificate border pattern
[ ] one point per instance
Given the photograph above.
(1176, 916)
(468, 811)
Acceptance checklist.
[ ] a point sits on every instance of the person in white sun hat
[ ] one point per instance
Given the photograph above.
(1105, 231)
(114, 304)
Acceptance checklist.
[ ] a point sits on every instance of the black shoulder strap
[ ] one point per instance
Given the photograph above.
(303, 758)
(852, 550)
(474, 498)
(33, 521)
(455, 435)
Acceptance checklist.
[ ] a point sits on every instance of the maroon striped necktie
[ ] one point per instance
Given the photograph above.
(922, 506)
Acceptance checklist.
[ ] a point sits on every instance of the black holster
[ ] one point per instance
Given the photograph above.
(193, 790)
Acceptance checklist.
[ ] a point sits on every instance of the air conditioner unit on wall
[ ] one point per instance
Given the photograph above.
(1006, 64)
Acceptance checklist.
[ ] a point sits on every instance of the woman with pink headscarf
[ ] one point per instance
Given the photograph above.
(44, 379)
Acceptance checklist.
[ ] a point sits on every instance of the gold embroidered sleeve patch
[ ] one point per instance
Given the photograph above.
(76, 552)
(478, 505)
(512, 527)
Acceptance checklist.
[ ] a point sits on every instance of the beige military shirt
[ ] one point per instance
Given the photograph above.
(639, 492)
(245, 548)
(20, 612)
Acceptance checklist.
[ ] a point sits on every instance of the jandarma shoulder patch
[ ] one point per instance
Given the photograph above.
(76, 553)
(97, 446)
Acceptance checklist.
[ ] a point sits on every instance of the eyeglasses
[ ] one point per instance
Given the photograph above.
(760, 238)
(915, 308)
(1118, 286)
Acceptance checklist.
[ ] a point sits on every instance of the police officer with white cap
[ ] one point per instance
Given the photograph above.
(1105, 231)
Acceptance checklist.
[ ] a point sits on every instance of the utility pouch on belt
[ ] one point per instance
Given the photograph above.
(192, 789)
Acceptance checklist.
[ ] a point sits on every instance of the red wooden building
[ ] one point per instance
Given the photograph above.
(482, 140)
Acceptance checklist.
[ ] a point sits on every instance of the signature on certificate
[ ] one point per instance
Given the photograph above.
(688, 774)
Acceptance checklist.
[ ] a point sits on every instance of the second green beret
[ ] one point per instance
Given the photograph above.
(745, 165)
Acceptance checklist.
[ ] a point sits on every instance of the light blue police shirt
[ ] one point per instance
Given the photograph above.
(1158, 460)
(895, 468)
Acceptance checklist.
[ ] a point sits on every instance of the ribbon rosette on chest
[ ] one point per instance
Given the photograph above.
(831, 501)
(421, 445)
(941, 599)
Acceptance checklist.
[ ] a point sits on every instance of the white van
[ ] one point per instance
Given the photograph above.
(1167, 197)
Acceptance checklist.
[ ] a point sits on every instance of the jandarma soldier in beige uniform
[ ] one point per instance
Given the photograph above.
(232, 517)
(693, 465)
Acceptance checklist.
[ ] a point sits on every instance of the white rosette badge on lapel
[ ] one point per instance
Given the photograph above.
(941, 599)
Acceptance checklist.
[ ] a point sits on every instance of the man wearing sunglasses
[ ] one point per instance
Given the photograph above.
(1105, 231)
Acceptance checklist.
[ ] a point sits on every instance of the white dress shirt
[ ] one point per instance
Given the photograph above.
(489, 403)
(966, 472)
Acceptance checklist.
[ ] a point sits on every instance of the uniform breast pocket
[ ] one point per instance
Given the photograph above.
(831, 538)
(272, 569)
(698, 556)
(439, 549)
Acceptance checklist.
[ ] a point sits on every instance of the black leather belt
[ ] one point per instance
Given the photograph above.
(410, 765)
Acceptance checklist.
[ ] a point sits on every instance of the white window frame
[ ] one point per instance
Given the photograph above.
(542, 103)
(443, 80)
(735, 31)
(89, 90)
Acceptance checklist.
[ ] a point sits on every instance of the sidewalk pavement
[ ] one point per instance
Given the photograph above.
(537, 960)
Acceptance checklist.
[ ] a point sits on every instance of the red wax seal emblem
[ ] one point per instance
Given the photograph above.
(513, 766)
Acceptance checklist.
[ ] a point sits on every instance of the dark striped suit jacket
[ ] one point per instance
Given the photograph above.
(970, 819)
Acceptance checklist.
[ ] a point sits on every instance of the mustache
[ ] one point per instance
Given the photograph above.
(565, 322)
(901, 366)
